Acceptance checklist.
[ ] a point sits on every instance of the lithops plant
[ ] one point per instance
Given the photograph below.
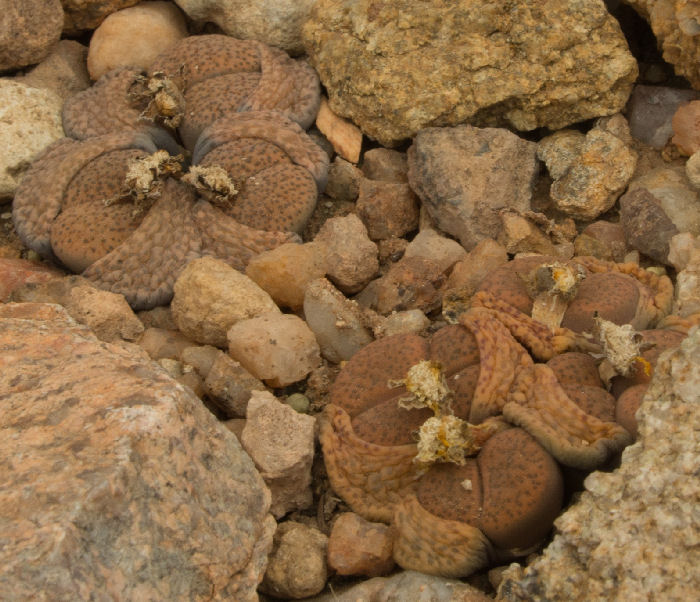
(390, 425)
(194, 83)
(106, 205)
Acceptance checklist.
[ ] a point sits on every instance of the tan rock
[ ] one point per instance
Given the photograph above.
(344, 136)
(442, 250)
(411, 283)
(30, 120)
(336, 321)
(134, 36)
(297, 565)
(279, 349)
(481, 260)
(350, 255)
(284, 272)
(229, 385)
(210, 296)
(15, 272)
(686, 127)
(520, 235)
(88, 14)
(676, 27)
(590, 172)
(275, 22)
(404, 322)
(397, 67)
(359, 547)
(162, 343)
(465, 176)
(63, 71)
(281, 443)
(388, 209)
(687, 298)
(108, 314)
(681, 248)
(28, 29)
(343, 180)
(692, 169)
(111, 466)
(385, 164)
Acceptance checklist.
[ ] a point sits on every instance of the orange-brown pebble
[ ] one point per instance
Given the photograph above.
(627, 406)
(359, 547)
(522, 490)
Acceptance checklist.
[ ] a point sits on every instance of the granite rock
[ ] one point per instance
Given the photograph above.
(30, 120)
(28, 29)
(281, 443)
(115, 479)
(676, 25)
(465, 176)
(633, 534)
(275, 22)
(395, 68)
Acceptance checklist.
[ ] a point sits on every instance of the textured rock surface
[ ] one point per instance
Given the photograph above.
(15, 272)
(589, 171)
(133, 37)
(279, 349)
(633, 535)
(210, 297)
(88, 14)
(297, 565)
(359, 547)
(28, 29)
(676, 25)
(459, 175)
(114, 478)
(30, 120)
(275, 22)
(281, 443)
(395, 68)
(407, 586)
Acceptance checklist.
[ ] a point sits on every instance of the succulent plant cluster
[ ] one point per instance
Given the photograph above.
(204, 154)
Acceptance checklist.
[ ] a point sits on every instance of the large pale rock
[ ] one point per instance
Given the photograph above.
(88, 14)
(676, 25)
(116, 482)
(275, 22)
(589, 172)
(687, 299)
(397, 67)
(279, 349)
(210, 297)
(466, 175)
(63, 71)
(134, 36)
(281, 443)
(30, 120)
(28, 29)
(633, 534)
